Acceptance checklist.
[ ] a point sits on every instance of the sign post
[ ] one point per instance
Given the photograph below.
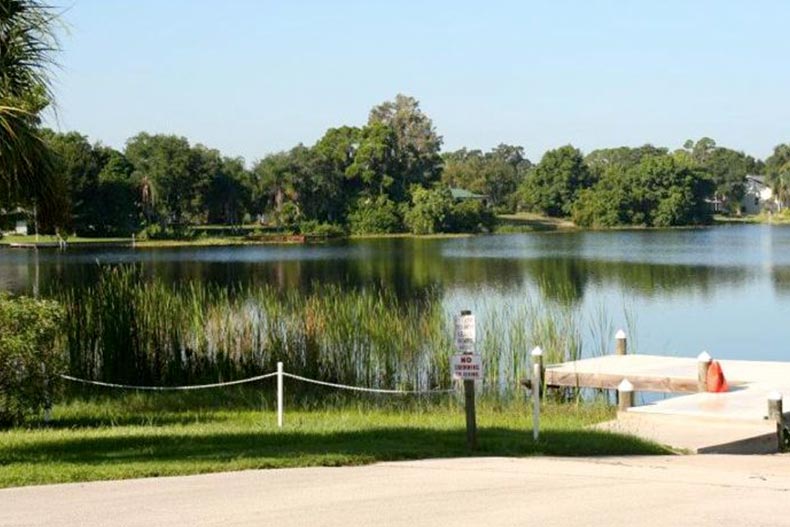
(467, 366)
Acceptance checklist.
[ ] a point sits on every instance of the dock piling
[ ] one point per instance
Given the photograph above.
(621, 343)
(703, 363)
(775, 413)
(625, 395)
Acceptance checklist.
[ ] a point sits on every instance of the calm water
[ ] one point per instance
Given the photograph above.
(722, 289)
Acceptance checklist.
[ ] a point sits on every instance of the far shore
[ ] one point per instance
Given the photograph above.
(522, 222)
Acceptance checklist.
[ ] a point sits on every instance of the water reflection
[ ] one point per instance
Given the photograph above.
(563, 266)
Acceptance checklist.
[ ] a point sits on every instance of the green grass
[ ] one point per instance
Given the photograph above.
(145, 435)
(782, 218)
(46, 238)
(202, 241)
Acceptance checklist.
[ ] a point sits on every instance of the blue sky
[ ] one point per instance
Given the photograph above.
(254, 77)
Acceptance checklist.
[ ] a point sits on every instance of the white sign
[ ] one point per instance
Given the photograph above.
(466, 366)
(465, 333)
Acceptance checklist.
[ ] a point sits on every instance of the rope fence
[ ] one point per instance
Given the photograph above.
(280, 374)
(167, 388)
(363, 389)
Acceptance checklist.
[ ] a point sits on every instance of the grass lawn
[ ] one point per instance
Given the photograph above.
(47, 238)
(202, 241)
(144, 435)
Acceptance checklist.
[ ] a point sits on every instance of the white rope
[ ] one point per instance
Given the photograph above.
(167, 388)
(360, 389)
(248, 380)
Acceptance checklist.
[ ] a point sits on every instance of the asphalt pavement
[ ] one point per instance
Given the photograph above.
(626, 491)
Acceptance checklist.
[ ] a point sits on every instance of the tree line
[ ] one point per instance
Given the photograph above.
(390, 176)
(384, 177)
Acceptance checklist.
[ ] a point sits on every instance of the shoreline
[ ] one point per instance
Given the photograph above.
(523, 223)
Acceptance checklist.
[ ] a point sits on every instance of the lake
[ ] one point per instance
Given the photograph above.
(724, 289)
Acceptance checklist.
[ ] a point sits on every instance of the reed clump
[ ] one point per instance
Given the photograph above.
(135, 329)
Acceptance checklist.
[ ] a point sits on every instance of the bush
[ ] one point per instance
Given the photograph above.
(430, 210)
(321, 230)
(374, 216)
(156, 231)
(288, 216)
(470, 216)
(30, 356)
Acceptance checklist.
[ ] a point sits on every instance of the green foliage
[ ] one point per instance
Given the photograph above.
(171, 171)
(156, 231)
(555, 183)
(30, 356)
(660, 191)
(321, 230)
(374, 216)
(470, 216)
(430, 210)
(376, 164)
(28, 45)
(728, 169)
(777, 171)
(416, 144)
(496, 174)
(288, 216)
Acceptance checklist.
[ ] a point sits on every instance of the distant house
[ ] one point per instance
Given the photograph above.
(461, 194)
(16, 221)
(758, 197)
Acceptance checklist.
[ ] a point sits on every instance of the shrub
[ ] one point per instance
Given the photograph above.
(321, 230)
(156, 231)
(430, 210)
(374, 216)
(287, 216)
(30, 355)
(470, 216)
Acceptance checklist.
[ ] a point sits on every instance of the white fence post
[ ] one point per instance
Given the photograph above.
(279, 394)
(537, 381)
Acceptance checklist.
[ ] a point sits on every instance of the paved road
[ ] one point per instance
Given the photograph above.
(641, 491)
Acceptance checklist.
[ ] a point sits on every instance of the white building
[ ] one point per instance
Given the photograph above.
(759, 197)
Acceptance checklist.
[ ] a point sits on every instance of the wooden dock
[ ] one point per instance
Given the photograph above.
(734, 422)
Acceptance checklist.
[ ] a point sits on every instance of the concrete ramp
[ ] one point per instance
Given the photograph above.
(696, 435)
(732, 422)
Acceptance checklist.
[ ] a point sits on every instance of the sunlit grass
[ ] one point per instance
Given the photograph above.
(143, 435)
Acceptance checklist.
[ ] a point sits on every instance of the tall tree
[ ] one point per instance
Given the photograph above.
(777, 171)
(117, 203)
(77, 166)
(229, 192)
(332, 189)
(728, 168)
(497, 173)
(171, 174)
(377, 165)
(556, 182)
(417, 143)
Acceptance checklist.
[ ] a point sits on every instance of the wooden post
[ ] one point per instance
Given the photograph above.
(471, 417)
(703, 363)
(469, 407)
(621, 343)
(625, 395)
(775, 413)
(537, 386)
(280, 395)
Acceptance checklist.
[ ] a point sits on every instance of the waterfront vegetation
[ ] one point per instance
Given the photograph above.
(133, 329)
(95, 436)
